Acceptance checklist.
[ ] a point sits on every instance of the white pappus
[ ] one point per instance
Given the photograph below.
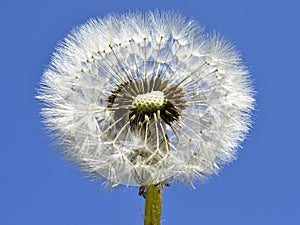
(146, 97)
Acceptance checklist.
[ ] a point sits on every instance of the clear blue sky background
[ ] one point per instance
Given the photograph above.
(37, 187)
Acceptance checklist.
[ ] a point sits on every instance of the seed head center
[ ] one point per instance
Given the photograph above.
(149, 102)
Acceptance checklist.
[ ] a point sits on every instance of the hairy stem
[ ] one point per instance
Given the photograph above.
(153, 205)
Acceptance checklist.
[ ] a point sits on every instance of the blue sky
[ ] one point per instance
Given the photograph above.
(261, 188)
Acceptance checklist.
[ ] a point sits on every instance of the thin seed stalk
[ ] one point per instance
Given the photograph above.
(153, 205)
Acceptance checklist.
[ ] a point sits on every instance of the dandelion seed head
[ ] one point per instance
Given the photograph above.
(143, 98)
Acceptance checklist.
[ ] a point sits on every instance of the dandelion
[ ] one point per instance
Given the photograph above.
(142, 99)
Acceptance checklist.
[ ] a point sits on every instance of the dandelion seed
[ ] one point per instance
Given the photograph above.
(143, 98)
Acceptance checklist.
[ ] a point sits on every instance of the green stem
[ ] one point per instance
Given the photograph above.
(153, 205)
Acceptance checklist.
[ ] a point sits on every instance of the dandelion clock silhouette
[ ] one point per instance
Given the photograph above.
(146, 99)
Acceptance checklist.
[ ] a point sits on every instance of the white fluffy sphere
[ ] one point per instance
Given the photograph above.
(143, 98)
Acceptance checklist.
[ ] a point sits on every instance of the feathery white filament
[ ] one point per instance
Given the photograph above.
(142, 98)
